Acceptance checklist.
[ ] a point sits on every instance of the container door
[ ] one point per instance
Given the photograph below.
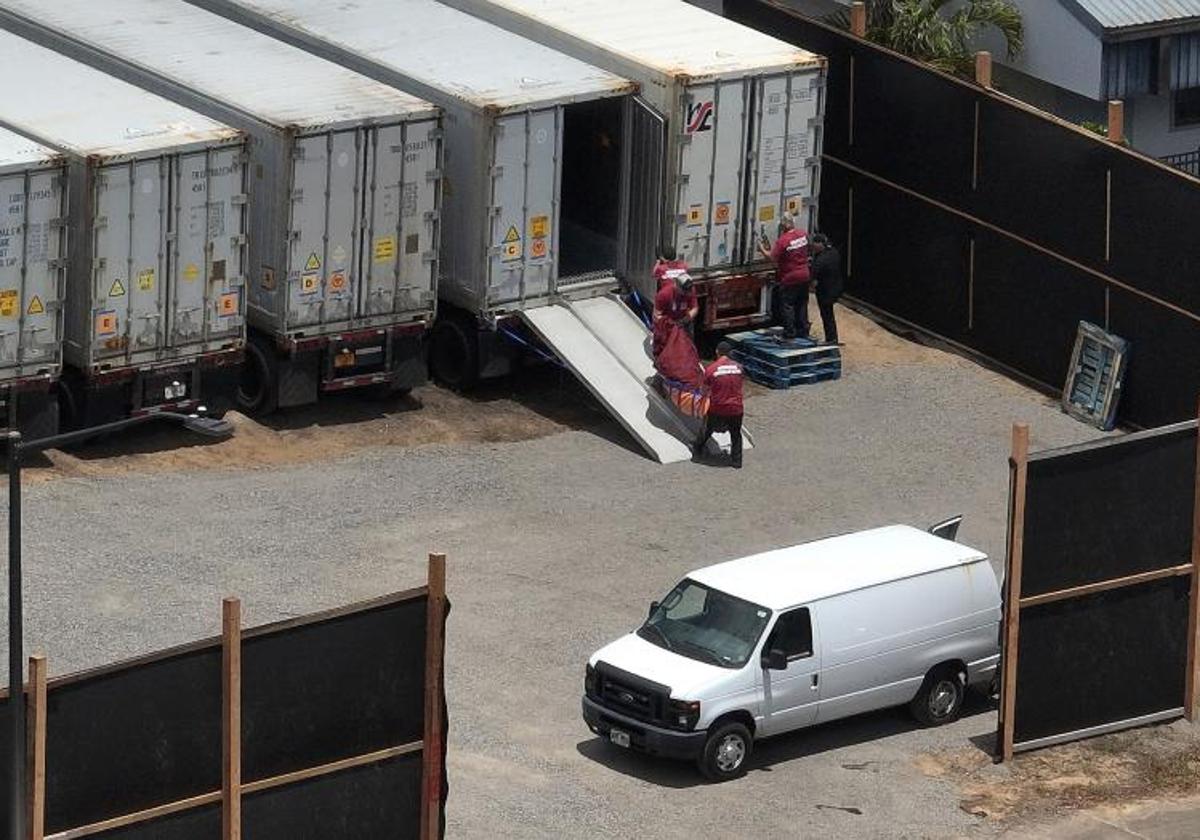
(711, 162)
(523, 244)
(32, 244)
(399, 255)
(307, 257)
(645, 146)
(128, 266)
(785, 138)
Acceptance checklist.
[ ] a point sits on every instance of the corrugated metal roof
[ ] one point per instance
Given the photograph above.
(457, 54)
(277, 83)
(78, 109)
(1121, 14)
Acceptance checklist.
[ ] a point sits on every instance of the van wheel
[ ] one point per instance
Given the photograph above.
(726, 752)
(940, 699)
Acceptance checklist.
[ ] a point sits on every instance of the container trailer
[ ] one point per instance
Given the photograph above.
(344, 184)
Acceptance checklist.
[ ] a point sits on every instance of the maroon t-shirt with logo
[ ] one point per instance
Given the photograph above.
(790, 256)
(724, 380)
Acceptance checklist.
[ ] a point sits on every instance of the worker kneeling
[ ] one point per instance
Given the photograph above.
(723, 381)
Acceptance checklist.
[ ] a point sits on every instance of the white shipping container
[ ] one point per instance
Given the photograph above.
(33, 249)
(537, 189)
(743, 111)
(344, 181)
(157, 232)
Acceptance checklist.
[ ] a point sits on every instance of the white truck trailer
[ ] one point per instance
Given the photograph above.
(344, 187)
(157, 234)
(742, 113)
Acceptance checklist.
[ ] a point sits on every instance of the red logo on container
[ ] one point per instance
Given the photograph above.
(699, 117)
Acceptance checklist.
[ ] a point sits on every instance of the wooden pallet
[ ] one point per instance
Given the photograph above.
(771, 360)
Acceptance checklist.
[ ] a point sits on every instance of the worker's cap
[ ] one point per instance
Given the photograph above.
(684, 280)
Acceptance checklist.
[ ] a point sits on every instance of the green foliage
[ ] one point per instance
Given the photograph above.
(934, 32)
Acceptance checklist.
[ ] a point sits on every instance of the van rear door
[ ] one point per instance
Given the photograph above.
(791, 696)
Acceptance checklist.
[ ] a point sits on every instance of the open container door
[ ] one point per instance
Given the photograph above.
(642, 213)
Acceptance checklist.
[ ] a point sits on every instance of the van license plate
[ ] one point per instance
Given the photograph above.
(621, 739)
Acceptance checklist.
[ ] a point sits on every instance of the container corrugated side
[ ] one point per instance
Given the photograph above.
(33, 249)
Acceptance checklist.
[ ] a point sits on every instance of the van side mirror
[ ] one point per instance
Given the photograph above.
(653, 607)
(774, 660)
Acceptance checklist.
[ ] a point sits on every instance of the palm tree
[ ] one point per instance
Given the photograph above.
(930, 31)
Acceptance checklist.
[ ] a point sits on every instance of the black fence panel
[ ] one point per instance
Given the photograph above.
(1163, 377)
(132, 737)
(373, 800)
(1027, 307)
(195, 824)
(1103, 512)
(331, 689)
(1156, 231)
(1104, 658)
(908, 258)
(1040, 180)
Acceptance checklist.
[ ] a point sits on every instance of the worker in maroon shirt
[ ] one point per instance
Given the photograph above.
(676, 303)
(723, 378)
(667, 267)
(790, 256)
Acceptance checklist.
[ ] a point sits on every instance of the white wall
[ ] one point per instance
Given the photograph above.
(1059, 48)
(1149, 128)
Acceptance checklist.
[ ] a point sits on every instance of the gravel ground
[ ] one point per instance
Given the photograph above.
(556, 546)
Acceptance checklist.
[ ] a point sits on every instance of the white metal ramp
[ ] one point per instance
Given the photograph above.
(604, 344)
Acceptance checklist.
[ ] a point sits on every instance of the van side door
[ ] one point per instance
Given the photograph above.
(791, 693)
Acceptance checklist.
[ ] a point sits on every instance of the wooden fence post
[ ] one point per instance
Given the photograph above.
(231, 719)
(431, 744)
(36, 735)
(1191, 700)
(1116, 121)
(983, 69)
(1012, 588)
(858, 19)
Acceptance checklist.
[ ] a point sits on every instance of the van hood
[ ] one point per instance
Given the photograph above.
(687, 678)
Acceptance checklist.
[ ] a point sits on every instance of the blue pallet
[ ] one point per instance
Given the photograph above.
(781, 378)
(784, 363)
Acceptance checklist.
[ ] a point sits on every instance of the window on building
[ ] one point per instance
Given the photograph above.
(1186, 107)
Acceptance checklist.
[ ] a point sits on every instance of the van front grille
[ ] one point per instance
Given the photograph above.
(631, 695)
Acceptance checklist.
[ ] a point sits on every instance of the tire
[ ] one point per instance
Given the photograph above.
(726, 752)
(454, 354)
(940, 698)
(257, 391)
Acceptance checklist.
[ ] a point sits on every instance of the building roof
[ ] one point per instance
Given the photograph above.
(1126, 14)
(806, 573)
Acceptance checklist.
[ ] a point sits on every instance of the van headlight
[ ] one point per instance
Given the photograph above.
(589, 681)
(684, 714)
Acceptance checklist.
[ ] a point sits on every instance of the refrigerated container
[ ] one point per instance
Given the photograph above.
(157, 233)
(33, 249)
(344, 182)
(539, 202)
(743, 115)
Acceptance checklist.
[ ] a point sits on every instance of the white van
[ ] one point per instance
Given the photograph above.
(782, 640)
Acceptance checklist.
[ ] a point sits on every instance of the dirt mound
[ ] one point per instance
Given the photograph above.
(869, 344)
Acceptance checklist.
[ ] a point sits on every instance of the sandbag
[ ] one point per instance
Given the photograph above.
(678, 360)
(691, 402)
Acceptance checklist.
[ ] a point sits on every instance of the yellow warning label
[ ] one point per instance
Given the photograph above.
(313, 262)
(513, 235)
(106, 323)
(721, 213)
(310, 283)
(511, 251)
(227, 304)
(35, 307)
(146, 279)
(385, 248)
(117, 289)
(268, 278)
(337, 281)
(539, 227)
(538, 248)
(793, 205)
(8, 303)
(766, 214)
(190, 272)
(695, 215)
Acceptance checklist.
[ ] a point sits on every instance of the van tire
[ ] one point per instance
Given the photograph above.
(940, 698)
(726, 752)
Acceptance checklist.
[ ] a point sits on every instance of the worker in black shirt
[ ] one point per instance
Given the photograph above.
(827, 277)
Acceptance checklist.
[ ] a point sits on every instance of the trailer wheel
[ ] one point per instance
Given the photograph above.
(453, 354)
(940, 698)
(258, 387)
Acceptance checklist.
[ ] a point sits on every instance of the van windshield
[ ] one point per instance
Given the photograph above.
(706, 624)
